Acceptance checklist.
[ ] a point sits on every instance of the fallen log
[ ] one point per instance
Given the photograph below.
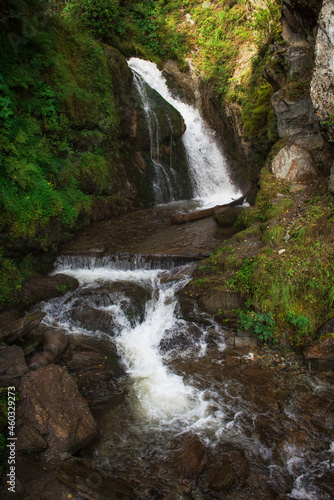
(201, 214)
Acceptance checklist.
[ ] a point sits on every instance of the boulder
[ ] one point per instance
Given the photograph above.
(51, 402)
(189, 457)
(226, 216)
(12, 364)
(55, 341)
(15, 325)
(41, 287)
(294, 164)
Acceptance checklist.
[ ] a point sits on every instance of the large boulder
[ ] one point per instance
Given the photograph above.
(294, 164)
(51, 402)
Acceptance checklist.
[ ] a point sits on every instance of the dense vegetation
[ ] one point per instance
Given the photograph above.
(58, 106)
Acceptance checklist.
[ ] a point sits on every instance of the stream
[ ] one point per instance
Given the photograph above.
(186, 418)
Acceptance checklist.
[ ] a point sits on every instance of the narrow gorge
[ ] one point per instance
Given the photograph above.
(166, 251)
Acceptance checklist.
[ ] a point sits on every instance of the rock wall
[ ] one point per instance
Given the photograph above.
(322, 84)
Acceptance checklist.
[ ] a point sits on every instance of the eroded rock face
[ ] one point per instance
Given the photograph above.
(294, 164)
(296, 121)
(322, 94)
(52, 404)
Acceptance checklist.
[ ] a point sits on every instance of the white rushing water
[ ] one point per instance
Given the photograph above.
(159, 394)
(208, 166)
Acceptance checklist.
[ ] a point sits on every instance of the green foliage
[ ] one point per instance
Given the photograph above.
(265, 21)
(261, 324)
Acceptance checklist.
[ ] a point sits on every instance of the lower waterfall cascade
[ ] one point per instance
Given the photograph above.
(173, 387)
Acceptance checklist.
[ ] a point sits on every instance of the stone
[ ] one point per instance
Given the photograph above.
(51, 402)
(225, 301)
(294, 164)
(331, 180)
(29, 439)
(296, 120)
(226, 216)
(12, 364)
(41, 287)
(321, 355)
(91, 485)
(40, 359)
(300, 61)
(322, 94)
(55, 342)
(189, 456)
(245, 342)
(14, 324)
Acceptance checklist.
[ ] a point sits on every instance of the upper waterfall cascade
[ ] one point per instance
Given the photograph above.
(207, 164)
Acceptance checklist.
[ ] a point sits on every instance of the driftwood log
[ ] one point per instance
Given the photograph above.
(201, 214)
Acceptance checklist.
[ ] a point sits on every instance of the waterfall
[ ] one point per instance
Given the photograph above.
(207, 163)
(162, 183)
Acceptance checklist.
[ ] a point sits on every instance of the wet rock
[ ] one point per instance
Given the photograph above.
(29, 439)
(183, 338)
(55, 341)
(321, 355)
(51, 402)
(91, 485)
(189, 457)
(226, 216)
(41, 287)
(15, 325)
(226, 467)
(39, 360)
(95, 365)
(12, 364)
(294, 164)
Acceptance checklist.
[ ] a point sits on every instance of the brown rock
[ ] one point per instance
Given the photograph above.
(14, 324)
(91, 485)
(226, 216)
(29, 439)
(39, 360)
(54, 342)
(12, 363)
(189, 457)
(51, 402)
(42, 287)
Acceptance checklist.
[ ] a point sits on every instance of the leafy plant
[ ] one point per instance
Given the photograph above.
(261, 324)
